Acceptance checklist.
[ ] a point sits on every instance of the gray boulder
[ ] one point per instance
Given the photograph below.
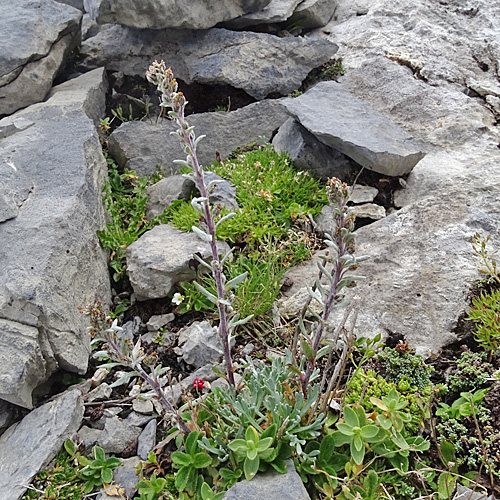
(342, 121)
(147, 440)
(222, 192)
(308, 153)
(51, 259)
(271, 484)
(362, 194)
(77, 4)
(27, 447)
(163, 193)
(313, 13)
(276, 11)
(200, 344)
(135, 145)
(35, 36)
(421, 84)
(422, 266)
(258, 63)
(118, 435)
(159, 14)
(161, 257)
(368, 211)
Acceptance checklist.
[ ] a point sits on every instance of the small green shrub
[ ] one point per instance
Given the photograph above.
(485, 313)
(405, 367)
(365, 385)
(472, 372)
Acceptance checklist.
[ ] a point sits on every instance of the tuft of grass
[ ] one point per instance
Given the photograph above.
(273, 197)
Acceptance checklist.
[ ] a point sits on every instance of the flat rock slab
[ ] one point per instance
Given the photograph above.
(309, 153)
(422, 266)
(275, 12)
(258, 63)
(53, 169)
(348, 124)
(161, 257)
(413, 62)
(35, 36)
(270, 485)
(141, 146)
(27, 447)
(313, 13)
(158, 14)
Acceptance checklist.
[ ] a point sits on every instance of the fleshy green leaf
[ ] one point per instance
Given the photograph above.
(201, 460)
(180, 458)
(250, 468)
(350, 417)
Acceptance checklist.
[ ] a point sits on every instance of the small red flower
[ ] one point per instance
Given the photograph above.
(199, 383)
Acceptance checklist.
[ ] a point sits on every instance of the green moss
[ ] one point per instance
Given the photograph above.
(472, 372)
(366, 384)
(405, 366)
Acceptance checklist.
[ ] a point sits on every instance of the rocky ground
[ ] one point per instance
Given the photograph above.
(416, 106)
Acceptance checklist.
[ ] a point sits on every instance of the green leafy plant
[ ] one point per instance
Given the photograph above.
(59, 481)
(485, 313)
(398, 364)
(391, 406)
(463, 406)
(208, 494)
(150, 489)
(189, 463)
(99, 471)
(253, 449)
(365, 385)
(357, 432)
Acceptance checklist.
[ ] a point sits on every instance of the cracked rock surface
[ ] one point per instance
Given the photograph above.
(35, 38)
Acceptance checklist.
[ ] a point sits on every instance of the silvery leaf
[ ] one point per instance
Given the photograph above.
(201, 234)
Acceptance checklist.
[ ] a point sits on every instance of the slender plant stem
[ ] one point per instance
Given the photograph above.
(216, 265)
(331, 299)
(160, 393)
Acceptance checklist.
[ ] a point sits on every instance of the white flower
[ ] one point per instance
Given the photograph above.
(177, 299)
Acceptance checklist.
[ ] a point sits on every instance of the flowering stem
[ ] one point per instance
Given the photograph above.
(159, 75)
(160, 394)
(333, 295)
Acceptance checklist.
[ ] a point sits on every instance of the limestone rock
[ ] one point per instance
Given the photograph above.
(362, 194)
(38, 436)
(258, 63)
(134, 145)
(147, 440)
(308, 153)
(158, 14)
(158, 321)
(417, 83)
(35, 36)
(51, 259)
(271, 484)
(160, 258)
(201, 344)
(101, 392)
(118, 435)
(422, 267)
(163, 193)
(222, 192)
(342, 121)
(368, 211)
(313, 13)
(276, 11)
